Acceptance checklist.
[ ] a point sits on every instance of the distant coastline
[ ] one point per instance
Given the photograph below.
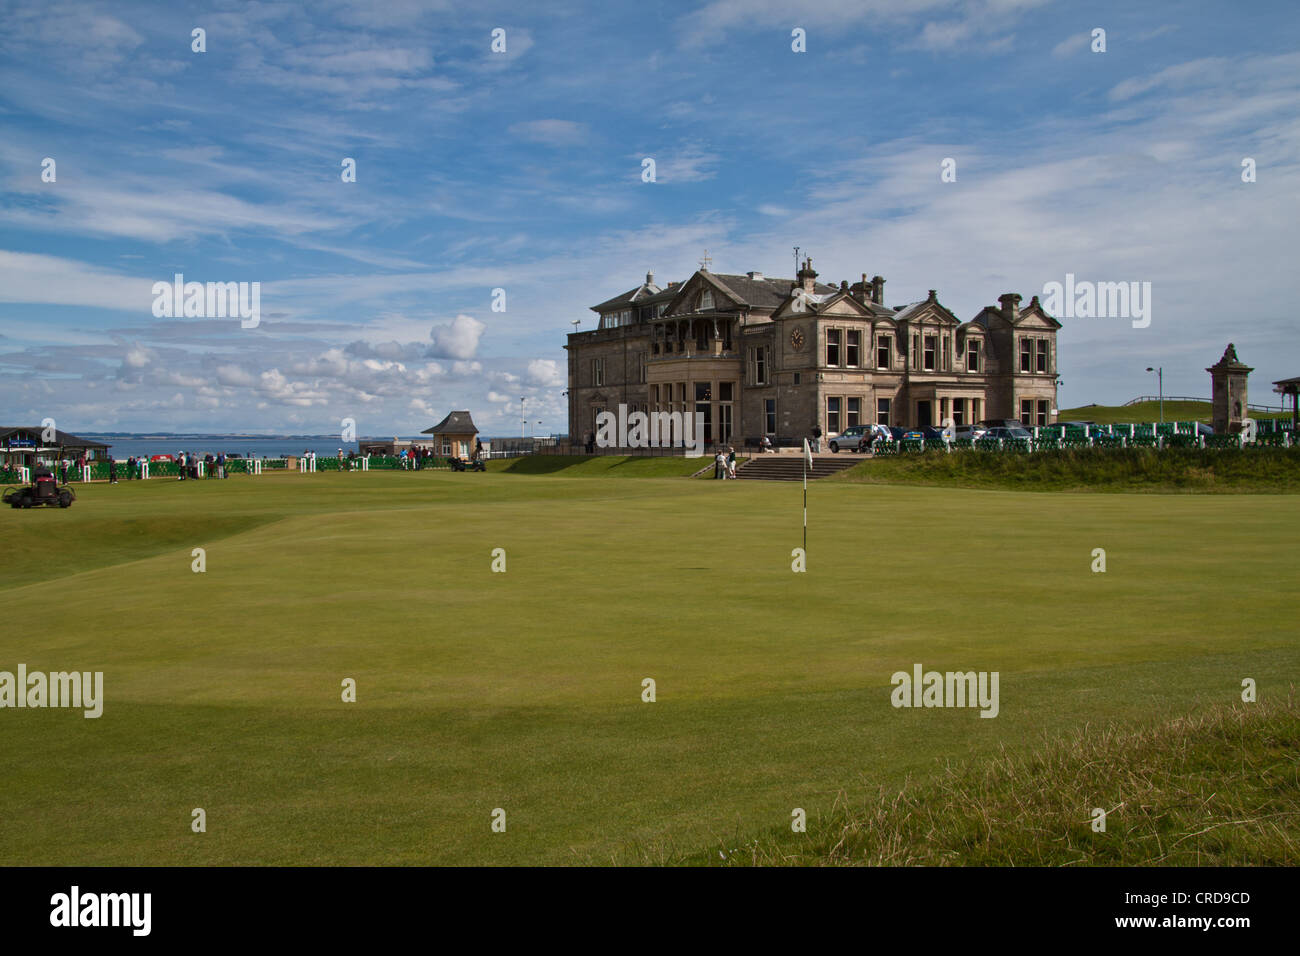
(216, 436)
(243, 436)
(148, 444)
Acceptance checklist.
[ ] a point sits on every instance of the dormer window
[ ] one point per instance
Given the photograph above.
(706, 299)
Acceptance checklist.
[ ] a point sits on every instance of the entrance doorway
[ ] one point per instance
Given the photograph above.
(923, 415)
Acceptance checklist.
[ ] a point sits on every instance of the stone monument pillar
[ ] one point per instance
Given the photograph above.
(1228, 392)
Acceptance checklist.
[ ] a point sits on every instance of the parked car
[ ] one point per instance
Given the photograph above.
(926, 432)
(851, 438)
(1019, 432)
(876, 433)
(971, 432)
(1001, 423)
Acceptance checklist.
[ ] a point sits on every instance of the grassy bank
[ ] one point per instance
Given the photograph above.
(1251, 470)
(1220, 787)
(1150, 412)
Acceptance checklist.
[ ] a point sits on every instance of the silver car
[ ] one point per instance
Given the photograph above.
(850, 438)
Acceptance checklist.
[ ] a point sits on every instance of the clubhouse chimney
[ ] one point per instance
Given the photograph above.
(878, 290)
(807, 276)
(1010, 306)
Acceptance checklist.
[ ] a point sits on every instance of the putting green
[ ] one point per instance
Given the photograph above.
(523, 690)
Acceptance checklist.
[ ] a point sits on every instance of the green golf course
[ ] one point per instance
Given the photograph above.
(522, 690)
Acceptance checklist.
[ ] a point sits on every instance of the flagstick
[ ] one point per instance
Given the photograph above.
(805, 508)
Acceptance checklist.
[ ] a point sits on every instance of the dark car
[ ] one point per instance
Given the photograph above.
(1006, 432)
(928, 432)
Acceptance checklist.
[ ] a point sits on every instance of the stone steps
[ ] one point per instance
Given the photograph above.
(790, 467)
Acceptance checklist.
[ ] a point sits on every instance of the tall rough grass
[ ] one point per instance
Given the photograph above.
(1220, 787)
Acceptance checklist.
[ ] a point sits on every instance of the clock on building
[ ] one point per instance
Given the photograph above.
(796, 339)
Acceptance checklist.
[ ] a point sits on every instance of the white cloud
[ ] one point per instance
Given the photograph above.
(137, 357)
(1183, 74)
(551, 132)
(545, 372)
(686, 164)
(1071, 45)
(457, 339)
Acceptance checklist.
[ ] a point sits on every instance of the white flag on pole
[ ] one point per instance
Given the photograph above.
(807, 454)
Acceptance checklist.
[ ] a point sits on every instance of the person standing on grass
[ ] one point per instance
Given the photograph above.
(63, 471)
(731, 461)
(112, 471)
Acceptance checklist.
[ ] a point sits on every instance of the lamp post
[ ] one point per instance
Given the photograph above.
(1160, 380)
(523, 403)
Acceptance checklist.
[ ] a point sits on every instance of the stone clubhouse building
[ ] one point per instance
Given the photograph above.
(766, 356)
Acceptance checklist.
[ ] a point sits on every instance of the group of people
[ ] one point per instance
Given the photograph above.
(187, 465)
(418, 458)
(134, 469)
(414, 459)
(724, 463)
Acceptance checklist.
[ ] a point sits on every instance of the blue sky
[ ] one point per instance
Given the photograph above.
(479, 170)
